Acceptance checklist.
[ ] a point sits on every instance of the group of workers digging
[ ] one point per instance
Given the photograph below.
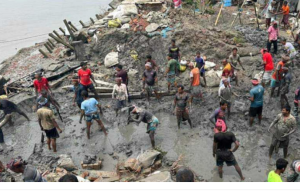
(283, 126)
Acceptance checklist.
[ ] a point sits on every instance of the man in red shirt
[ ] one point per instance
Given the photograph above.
(277, 75)
(268, 66)
(85, 76)
(41, 83)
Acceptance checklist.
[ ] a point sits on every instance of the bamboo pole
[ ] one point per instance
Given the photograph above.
(219, 14)
(63, 31)
(49, 45)
(48, 48)
(53, 45)
(256, 15)
(97, 16)
(69, 29)
(73, 26)
(237, 14)
(58, 36)
(61, 41)
(92, 20)
(43, 53)
(83, 25)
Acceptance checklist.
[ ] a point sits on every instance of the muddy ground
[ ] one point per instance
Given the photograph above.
(192, 34)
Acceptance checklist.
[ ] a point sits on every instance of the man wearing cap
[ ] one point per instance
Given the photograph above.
(150, 81)
(235, 59)
(85, 76)
(47, 123)
(268, 66)
(200, 64)
(41, 83)
(273, 36)
(294, 171)
(141, 115)
(153, 63)
(277, 76)
(285, 86)
(120, 94)
(170, 72)
(195, 83)
(30, 173)
(89, 110)
(180, 106)
(225, 93)
(8, 108)
(223, 152)
(285, 125)
(257, 100)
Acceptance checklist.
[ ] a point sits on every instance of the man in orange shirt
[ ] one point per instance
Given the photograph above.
(277, 75)
(85, 76)
(195, 83)
(285, 12)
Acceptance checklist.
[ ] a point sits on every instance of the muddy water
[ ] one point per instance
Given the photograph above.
(194, 144)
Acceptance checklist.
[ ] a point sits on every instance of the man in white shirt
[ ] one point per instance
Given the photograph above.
(120, 94)
(289, 48)
(270, 13)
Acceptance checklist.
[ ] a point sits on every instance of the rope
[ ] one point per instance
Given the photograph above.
(3, 41)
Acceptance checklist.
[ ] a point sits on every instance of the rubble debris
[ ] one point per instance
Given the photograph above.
(66, 162)
(158, 176)
(111, 59)
(132, 165)
(148, 158)
(213, 78)
(152, 27)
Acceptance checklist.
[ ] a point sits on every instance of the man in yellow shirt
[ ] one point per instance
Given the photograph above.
(274, 176)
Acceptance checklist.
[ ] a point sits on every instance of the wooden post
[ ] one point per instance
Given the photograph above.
(92, 20)
(79, 50)
(69, 29)
(53, 45)
(237, 14)
(83, 25)
(256, 16)
(73, 26)
(98, 17)
(219, 14)
(49, 45)
(61, 41)
(55, 32)
(43, 53)
(63, 31)
(48, 48)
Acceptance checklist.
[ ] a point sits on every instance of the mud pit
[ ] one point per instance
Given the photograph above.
(130, 140)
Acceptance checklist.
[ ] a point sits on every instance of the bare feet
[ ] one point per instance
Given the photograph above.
(243, 178)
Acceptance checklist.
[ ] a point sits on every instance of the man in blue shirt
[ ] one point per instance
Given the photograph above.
(257, 99)
(89, 109)
(201, 65)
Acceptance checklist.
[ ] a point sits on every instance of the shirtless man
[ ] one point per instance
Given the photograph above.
(180, 106)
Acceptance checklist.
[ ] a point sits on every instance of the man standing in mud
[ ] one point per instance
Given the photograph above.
(297, 102)
(225, 93)
(154, 66)
(121, 73)
(219, 113)
(77, 88)
(8, 108)
(223, 152)
(285, 125)
(268, 66)
(235, 59)
(120, 94)
(89, 110)
(41, 83)
(85, 76)
(285, 87)
(170, 72)
(174, 53)
(257, 101)
(150, 81)
(47, 123)
(277, 76)
(140, 115)
(180, 106)
(195, 83)
(200, 64)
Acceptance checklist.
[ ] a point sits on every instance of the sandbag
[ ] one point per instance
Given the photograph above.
(213, 78)
(147, 159)
(111, 59)
(66, 162)
(209, 64)
(114, 23)
(158, 176)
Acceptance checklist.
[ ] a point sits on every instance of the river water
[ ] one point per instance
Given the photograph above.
(20, 19)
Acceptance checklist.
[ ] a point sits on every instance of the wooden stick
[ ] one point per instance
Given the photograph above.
(219, 14)
(58, 36)
(53, 45)
(83, 25)
(49, 45)
(92, 20)
(73, 26)
(69, 29)
(237, 14)
(43, 53)
(63, 31)
(61, 41)
(48, 48)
